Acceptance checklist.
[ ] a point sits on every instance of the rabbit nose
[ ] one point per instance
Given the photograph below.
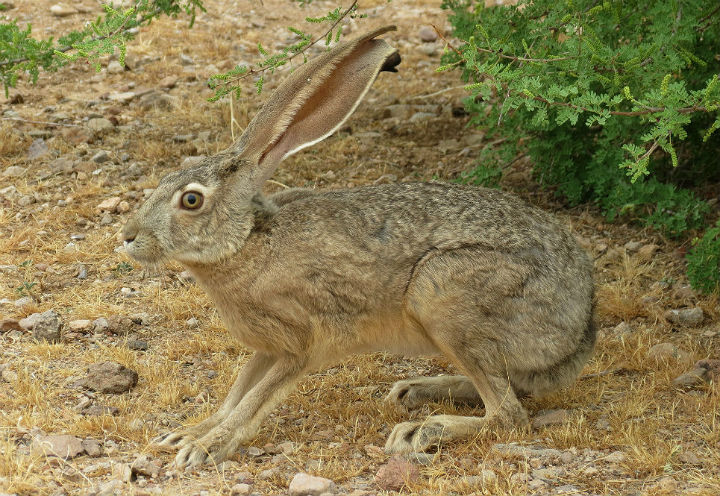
(129, 232)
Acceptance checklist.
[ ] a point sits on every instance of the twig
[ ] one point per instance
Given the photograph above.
(450, 45)
(648, 110)
(435, 93)
(597, 374)
(144, 18)
(44, 123)
(514, 58)
(252, 72)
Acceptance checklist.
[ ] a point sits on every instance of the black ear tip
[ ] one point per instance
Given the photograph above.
(391, 63)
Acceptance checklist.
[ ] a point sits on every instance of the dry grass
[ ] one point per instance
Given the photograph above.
(336, 418)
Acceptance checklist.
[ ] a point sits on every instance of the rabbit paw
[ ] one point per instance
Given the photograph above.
(172, 440)
(212, 448)
(408, 437)
(408, 394)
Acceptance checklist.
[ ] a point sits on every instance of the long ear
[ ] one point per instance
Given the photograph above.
(314, 101)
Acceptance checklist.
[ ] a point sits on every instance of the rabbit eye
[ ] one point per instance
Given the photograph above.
(191, 200)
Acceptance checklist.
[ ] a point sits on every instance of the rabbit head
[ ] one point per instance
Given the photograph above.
(205, 213)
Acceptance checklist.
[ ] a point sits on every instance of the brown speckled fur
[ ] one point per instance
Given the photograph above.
(305, 278)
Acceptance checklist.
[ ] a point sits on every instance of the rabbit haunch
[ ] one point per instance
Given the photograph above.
(306, 278)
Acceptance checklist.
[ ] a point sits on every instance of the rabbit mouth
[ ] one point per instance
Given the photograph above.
(148, 253)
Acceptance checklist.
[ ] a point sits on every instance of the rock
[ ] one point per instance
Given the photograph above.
(14, 171)
(100, 125)
(685, 316)
(124, 97)
(115, 67)
(186, 59)
(552, 417)
(240, 489)
(110, 377)
(428, 48)
(307, 485)
(137, 345)
(647, 252)
(101, 157)
(106, 220)
(123, 471)
(485, 479)
(99, 410)
(623, 329)
(667, 485)
(712, 365)
(286, 448)
(26, 200)
(92, 447)
(9, 192)
(45, 326)
(422, 116)
(192, 322)
(38, 148)
(695, 378)
(8, 375)
(514, 450)
(7, 325)
(690, 458)
(118, 324)
(427, 34)
(156, 99)
(396, 474)
(80, 325)
(21, 302)
(61, 10)
(123, 207)
(269, 473)
(100, 324)
(704, 372)
(255, 451)
(168, 82)
(109, 204)
(603, 424)
(633, 246)
(665, 352)
(110, 488)
(62, 445)
(615, 457)
(144, 466)
(183, 138)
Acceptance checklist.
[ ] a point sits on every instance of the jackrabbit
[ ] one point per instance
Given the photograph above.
(305, 278)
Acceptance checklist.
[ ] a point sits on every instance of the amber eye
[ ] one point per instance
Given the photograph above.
(191, 200)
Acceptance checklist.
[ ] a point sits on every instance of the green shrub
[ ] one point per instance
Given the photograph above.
(704, 261)
(615, 102)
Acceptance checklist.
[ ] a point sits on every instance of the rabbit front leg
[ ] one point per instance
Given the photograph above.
(250, 374)
(241, 425)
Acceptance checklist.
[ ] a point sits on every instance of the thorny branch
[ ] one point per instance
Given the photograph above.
(252, 72)
(122, 28)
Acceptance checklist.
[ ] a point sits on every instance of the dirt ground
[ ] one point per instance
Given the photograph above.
(87, 148)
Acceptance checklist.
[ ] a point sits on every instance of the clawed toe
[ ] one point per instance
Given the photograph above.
(191, 455)
(404, 394)
(409, 437)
